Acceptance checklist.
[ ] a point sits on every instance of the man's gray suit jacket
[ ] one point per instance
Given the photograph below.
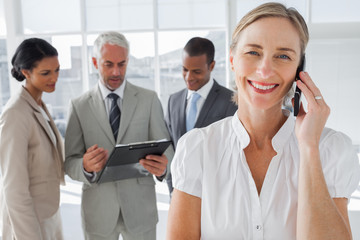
(217, 106)
(141, 120)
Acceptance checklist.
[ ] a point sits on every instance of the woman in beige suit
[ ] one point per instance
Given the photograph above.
(31, 149)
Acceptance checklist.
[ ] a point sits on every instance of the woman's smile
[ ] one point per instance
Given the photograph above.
(260, 87)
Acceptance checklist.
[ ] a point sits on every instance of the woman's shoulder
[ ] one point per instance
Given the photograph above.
(336, 148)
(217, 129)
(340, 163)
(15, 103)
(331, 138)
(17, 109)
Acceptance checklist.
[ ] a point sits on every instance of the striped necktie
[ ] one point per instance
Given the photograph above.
(115, 114)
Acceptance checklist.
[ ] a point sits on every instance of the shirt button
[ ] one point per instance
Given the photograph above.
(258, 227)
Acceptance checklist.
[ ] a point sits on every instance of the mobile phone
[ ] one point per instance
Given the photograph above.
(297, 96)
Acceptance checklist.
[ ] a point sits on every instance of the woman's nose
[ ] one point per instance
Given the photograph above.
(54, 77)
(265, 68)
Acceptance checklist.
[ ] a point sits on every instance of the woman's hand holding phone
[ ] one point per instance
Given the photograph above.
(309, 125)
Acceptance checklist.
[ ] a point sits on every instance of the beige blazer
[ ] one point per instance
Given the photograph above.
(31, 166)
(142, 119)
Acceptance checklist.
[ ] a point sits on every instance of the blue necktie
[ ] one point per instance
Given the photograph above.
(114, 114)
(191, 116)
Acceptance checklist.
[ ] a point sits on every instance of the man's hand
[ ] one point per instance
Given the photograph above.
(155, 164)
(94, 159)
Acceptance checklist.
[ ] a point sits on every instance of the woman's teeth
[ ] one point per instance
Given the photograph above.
(262, 87)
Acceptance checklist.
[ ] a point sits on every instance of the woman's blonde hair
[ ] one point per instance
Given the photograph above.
(273, 10)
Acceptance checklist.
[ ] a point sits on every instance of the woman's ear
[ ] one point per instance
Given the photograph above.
(26, 73)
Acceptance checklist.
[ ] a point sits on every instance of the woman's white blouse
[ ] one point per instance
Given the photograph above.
(210, 163)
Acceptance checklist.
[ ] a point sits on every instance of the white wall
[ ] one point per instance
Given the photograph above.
(334, 65)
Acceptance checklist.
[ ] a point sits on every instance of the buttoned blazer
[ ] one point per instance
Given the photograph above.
(32, 169)
(141, 120)
(217, 106)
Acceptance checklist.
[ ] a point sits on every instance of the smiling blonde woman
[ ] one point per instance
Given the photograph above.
(264, 174)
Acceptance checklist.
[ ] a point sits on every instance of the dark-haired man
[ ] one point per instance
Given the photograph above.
(203, 101)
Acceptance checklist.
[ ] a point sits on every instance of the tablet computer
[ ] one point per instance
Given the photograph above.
(124, 163)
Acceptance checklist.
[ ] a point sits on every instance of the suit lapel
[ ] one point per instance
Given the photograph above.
(43, 124)
(128, 108)
(182, 113)
(58, 146)
(98, 109)
(30, 100)
(59, 149)
(209, 101)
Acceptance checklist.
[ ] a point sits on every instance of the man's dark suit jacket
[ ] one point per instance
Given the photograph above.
(217, 106)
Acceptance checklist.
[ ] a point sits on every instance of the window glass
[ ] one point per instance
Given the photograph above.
(45, 16)
(191, 13)
(4, 74)
(141, 64)
(119, 14)
(140, 70)
(2, 19)
(335, 11)
(69, 84)
(171, 45)
(93, 75)
(244, 6)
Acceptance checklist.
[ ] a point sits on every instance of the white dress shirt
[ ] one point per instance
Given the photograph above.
(203, 92)
(105, 93)
(210, 163)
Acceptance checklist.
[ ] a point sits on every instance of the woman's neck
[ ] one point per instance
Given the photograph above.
(261, 125)
(36, 94)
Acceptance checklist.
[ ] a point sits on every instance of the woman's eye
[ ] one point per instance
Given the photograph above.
(253, 53)
(284, 57)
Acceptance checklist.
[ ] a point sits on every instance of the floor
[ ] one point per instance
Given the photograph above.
(70, 209)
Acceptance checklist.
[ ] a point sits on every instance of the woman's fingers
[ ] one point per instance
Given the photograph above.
(310, 90)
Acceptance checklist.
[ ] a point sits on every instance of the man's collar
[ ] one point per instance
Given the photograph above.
(204, 90)
(105, 91)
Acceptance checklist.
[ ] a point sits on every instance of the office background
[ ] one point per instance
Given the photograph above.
(158, 30)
